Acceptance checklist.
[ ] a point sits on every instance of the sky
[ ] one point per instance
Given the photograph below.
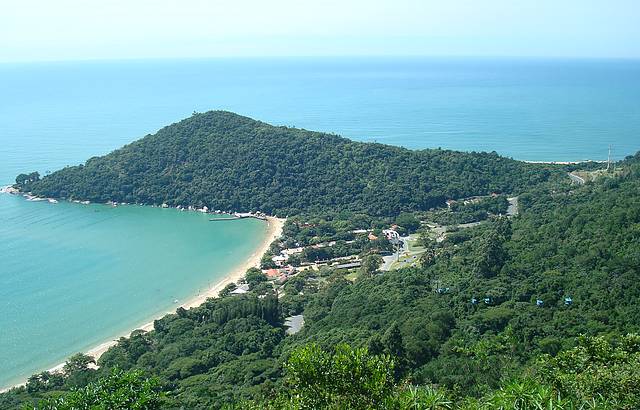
(45, 30)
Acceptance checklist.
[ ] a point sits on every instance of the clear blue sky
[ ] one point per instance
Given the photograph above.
(32, 30)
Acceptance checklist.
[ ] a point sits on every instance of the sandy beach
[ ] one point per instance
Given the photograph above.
(274, 230)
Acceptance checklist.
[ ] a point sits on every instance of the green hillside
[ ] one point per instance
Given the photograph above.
(228, 162)
(534, 310)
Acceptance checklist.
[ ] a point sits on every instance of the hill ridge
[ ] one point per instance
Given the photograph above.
(231, 162)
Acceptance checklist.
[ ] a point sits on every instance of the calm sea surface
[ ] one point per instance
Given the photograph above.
(72, 276)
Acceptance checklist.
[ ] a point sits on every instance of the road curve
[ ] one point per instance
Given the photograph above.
(576, 179)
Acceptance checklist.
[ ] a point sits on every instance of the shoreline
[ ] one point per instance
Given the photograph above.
(597, 161)
(274, 231)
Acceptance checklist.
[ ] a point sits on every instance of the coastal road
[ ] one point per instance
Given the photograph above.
(387, 261)
(293, 324)
(576, 179)
(512, 210)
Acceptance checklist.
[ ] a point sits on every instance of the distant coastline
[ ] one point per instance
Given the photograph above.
(567, 162)
(274, 230)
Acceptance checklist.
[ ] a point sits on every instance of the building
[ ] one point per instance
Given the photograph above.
(279, 260)
(391, 234)
(272, 273)
(351, 265)
(360, 231)
(244, 288)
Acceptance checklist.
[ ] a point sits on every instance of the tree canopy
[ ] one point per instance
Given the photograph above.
(232, 163)
(536, 310)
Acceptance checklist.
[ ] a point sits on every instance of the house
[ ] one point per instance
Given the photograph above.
(391, 234)
(351, 265)
(272, 273)
(279, 260)
(450, 202)
(372, 237)
(244, 288)
(292, 251)
(288, 270)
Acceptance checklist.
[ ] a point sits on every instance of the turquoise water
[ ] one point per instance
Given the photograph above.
(72, 276)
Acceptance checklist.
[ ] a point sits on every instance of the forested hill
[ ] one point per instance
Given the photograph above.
(492, 318)
(229, 162)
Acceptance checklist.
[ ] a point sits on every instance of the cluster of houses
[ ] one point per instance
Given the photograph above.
(205, 210)
(284, 269)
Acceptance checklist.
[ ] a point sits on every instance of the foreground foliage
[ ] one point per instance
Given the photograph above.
(118, 391)
(353, 379)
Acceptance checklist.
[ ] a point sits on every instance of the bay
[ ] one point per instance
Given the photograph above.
(72, 276)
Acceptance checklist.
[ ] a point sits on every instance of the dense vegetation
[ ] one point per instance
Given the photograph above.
(228, 162)
(537, 311)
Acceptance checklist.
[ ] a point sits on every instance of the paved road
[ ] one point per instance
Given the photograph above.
(512, 210)
(576, 178)
(293, 324)
(387, 261)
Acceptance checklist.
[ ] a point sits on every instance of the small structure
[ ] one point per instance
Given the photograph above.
(487, 301)
(244, 288)
(391, 234)
(372, 237)
(359, 231)
(292, 251)
(539, 303)
(351, 265)
(279, 260)
(568, 301)
(272, 273)
(474, 301)
(293, 324)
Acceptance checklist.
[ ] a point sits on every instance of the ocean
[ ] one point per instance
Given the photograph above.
(72, 276)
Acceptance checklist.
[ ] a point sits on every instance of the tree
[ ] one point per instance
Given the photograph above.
(25, 179)
(371, 264)
(596, 369)
(118, 391)
(344, 378)
(393, 342)
(226, 291)
(44, 381)
(408, 221)
(254, 276)
(490, 256)
(79, 362)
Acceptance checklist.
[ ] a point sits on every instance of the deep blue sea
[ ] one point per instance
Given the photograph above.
(54, 114)
(73, 275)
